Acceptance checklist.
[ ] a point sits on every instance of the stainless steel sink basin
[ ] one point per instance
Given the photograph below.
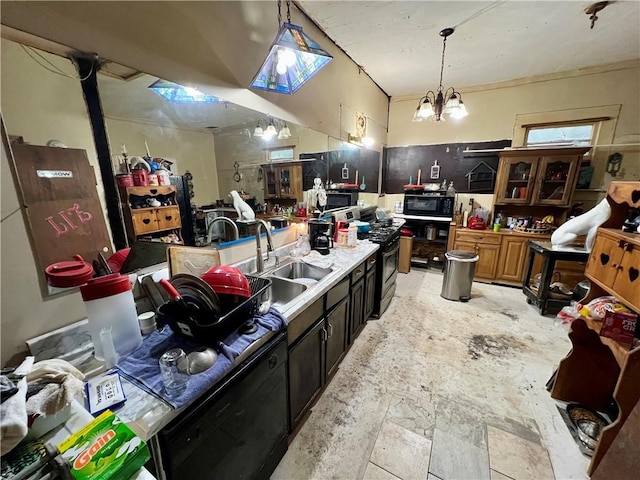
(302, 272)
(283, 291)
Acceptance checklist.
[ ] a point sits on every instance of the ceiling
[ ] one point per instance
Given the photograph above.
(398, 43)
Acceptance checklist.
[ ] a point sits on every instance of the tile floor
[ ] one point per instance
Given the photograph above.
(442, 390)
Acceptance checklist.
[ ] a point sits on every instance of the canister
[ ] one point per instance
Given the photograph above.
(140, 177)
(109, 303)
(153, 179)
(124, 180)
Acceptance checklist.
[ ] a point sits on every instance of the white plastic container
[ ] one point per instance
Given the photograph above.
(109, 303)
(352, 236)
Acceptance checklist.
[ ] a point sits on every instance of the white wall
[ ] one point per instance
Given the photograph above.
(37, 105)
(493, 110)
(193, 151)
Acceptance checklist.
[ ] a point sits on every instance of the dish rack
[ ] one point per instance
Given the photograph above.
(204, 326)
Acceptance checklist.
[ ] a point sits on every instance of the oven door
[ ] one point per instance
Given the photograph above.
(390, 265)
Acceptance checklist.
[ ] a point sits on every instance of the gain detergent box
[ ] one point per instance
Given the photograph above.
(104, 449)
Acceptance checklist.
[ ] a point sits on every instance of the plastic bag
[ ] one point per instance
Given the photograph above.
(568, 314)
(598, 307)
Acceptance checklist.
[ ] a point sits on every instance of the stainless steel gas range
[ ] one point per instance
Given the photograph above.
(388, 237)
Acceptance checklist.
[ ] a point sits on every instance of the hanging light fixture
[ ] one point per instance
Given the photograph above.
(293, 59)
(179, 94)
(433, 105)
(284, 132)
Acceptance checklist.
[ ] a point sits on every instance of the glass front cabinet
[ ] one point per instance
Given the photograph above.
(538, 176)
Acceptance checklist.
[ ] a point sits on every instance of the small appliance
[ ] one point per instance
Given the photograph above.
(320, 235)
(434, 204)
(340, 199)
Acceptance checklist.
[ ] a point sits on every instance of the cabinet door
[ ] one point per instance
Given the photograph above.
(627, 282)
(370, 294)
(488, 261)
(357, 309)
(270, 182)
(515, 180)
(604, 260)
(555, 179)
(145, 220)
(306, 371)
(297, 191)
(486, 265)
(337, 321)
(284, 181)
(168, 218)
(513, 254)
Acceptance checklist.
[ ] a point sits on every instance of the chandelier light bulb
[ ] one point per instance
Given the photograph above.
(270, 132)
(258, 132)
(287, 56)
(426, 109)
(281, 67)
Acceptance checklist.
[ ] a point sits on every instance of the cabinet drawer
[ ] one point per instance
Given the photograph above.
(337, 293)
(169, 217)
(302, 322)
(145, 221)
(371, 262)
(358, 273)
(477, 237)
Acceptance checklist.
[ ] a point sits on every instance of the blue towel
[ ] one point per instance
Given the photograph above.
(142, 368)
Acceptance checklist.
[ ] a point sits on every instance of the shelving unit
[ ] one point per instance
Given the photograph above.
(598, 370)
(141, 220)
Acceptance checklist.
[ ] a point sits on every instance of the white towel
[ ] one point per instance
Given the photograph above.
(63, 380)
(13, 418)
(317, 260)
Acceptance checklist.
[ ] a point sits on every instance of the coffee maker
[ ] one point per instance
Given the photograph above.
(320, 235)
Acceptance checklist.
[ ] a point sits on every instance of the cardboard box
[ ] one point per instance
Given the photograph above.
(104, 449)
(619, 326)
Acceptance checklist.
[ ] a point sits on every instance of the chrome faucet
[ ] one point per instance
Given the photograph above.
(236, 233)
(259, 261)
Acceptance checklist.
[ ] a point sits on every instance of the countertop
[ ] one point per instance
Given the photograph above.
(146, 415)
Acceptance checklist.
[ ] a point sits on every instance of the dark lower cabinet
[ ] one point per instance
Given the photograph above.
(306, 370)
(239, 430)
(336, 325)
(369, 294)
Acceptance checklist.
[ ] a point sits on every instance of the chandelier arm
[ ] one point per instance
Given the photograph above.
(448, 95)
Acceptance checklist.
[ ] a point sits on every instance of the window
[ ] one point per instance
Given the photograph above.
(560, 135)
(280, 154)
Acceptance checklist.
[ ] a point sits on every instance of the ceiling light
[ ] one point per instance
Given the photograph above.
(258, 132)
(434, 104)
(293, 59)
(270, 131)
(284, 133)
(178, 94)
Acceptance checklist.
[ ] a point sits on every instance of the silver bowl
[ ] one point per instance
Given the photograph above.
(589, 432)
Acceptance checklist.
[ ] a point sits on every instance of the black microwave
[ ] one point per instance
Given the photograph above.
(341, 199)
(428, 205)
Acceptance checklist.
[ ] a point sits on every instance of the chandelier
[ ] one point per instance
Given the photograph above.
(272, 128)
(433, 105)
(293, 59)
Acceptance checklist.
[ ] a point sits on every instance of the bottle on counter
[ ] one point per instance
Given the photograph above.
(465, 218)
(352, 236)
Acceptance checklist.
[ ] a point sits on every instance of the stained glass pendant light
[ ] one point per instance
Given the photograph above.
(293, 59)
(178, 94)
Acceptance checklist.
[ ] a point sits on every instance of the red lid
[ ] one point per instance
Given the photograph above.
(106, 286)
(72, 273)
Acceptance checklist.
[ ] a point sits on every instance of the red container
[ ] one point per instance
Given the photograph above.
(68, 274)
(140, 177)
(124, 180)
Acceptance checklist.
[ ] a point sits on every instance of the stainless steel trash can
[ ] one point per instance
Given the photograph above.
(459, 268)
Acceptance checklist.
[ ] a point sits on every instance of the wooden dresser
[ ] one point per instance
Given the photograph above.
(598, 369)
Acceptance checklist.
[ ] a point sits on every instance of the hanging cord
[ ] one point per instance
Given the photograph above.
(288, 11)
(57, 70)
(444, 46)
(480, 12)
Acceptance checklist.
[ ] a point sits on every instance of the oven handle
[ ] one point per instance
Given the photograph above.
(392, 251)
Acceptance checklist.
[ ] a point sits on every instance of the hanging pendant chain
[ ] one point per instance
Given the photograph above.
(444, 46)
(288, 11)
(279, 15)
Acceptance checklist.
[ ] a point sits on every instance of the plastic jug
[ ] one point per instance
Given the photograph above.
(109, 303)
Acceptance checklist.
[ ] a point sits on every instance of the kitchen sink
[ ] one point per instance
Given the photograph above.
(301, 271)
(283, 291)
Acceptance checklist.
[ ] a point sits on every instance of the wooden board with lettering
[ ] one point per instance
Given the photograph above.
(58, 189)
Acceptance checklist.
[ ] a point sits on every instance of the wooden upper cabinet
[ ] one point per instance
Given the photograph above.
(283, 181)
(538, 176)
(555, 180)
